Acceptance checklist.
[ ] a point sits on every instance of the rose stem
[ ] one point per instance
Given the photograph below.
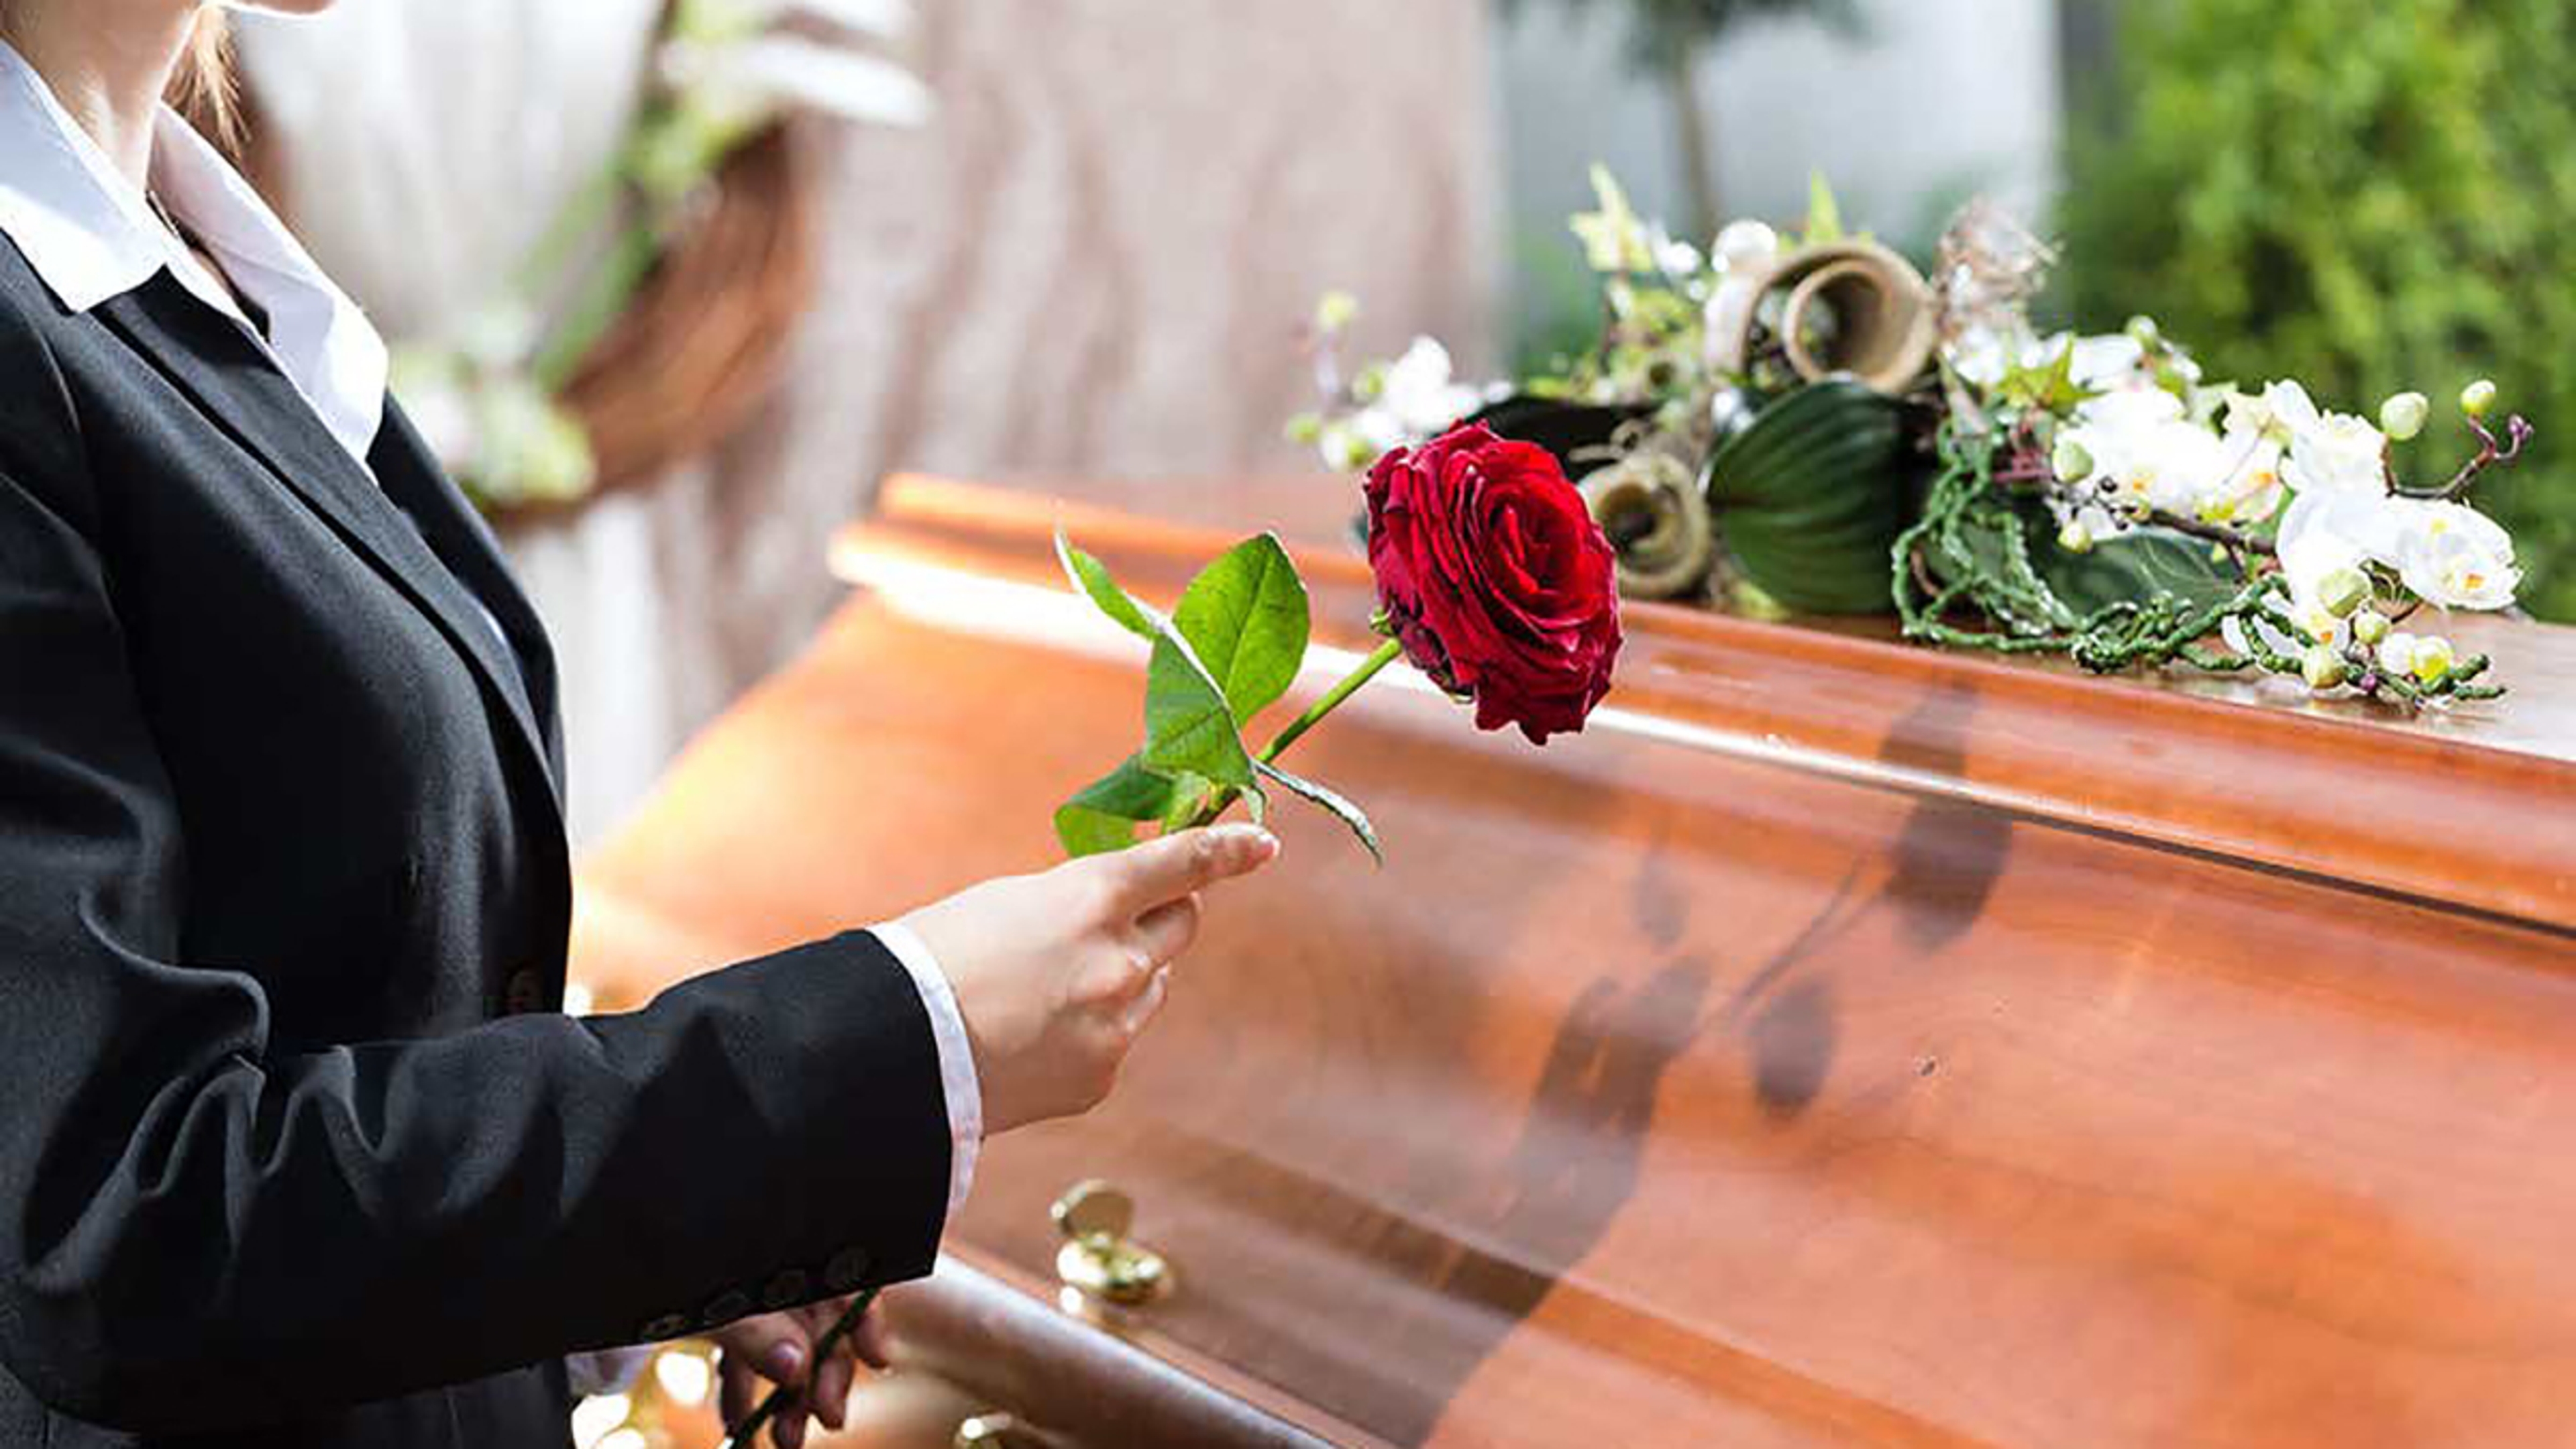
(744, 1432)
(1387, 653)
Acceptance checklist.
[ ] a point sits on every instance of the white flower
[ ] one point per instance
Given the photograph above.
(1421, 393)
(1745, 246)
(2147, 454)
(2359, 525)
(2324, 539)
(1676, 258)
(2251, 489)
(2113, 360)
(2328, 452)
(1982, 355)
(768, 73)
(2453, 555)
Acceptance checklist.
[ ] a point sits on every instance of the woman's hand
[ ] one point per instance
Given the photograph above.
(1057, 974)
(778, 1348)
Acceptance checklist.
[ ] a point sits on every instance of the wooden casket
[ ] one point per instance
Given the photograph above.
(1839, 1043)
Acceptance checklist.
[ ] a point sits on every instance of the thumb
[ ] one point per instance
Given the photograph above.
(773, 1345)
(1175, 865)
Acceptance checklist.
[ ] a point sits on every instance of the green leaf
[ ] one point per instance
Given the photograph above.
(1246, 618)
(1104, 816)
(2045, 387)
(1824, 213)
(1091, 577)
(1189, 727)
(1811, 497)
(1339, 805)
(2136, 565)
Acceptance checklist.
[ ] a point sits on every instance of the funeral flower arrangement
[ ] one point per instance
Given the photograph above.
(1808, 423)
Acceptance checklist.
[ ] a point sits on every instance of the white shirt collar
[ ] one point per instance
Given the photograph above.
(91, 236)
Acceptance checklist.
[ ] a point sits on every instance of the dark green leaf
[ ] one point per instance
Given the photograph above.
(1341, 807)
(1104, 816)
(2134, 566)
(1246, 618)
(1091, 577)
(1811, 497)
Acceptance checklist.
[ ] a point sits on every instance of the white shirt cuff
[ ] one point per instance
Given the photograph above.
(607, 1370)
(956, 1054)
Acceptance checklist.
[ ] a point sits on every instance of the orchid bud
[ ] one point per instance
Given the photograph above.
(2397, 653)
(1306, 429)
(1336, 311)
(2343, 591)
(2370, 626)
(2403, 417)
(2433, 659)
(2323, 668)
(2071, 460)
(2143, 330)
(2479, 398)
(2075, 538)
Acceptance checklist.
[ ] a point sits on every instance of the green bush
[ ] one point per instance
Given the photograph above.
(2368, 196)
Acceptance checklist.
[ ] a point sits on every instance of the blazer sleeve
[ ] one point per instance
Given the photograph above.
(201, 1231)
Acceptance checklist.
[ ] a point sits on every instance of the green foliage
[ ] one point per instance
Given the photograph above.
(1231, 649)
(2369, 197)
(1247, 617)
(1810, 498)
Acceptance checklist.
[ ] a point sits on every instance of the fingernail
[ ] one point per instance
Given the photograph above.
(785, 1363)
(1251, 835)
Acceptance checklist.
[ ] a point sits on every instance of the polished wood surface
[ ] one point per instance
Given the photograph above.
(1837, 1044)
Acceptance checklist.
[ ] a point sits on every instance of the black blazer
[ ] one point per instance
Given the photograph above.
(295, 1147)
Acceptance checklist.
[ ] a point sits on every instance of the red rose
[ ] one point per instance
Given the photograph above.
(1496, 579)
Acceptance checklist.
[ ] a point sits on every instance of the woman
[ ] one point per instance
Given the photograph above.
(297, 1149)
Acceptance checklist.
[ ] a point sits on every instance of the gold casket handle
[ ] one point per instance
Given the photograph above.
(1098, 1258)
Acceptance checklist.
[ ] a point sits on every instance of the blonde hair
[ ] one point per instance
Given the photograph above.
(203, 88)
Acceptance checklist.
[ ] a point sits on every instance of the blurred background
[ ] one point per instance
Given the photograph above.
(678, 284)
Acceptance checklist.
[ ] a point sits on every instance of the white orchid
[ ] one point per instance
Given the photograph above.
(2251, 490)
(2328, 452)
(2147, 454)
(2454, 556)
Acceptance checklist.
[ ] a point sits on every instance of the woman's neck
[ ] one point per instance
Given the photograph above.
(108, 62)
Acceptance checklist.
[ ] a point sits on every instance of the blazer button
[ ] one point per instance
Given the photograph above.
(668, 1326)
(847, 1270)
(733, 1303)
(787, 1288)
(525, 994)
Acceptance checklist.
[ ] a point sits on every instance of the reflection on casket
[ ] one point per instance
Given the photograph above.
(1837, 1044)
